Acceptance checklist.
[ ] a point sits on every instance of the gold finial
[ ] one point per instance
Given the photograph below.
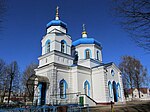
(57, 14)
(84, 33)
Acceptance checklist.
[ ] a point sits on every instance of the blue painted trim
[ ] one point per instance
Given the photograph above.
(64, 89)
(86, 83)
(89, 52)
(86, 41)
(40, 93)
(110, 89)
(46, 43)
(119, 90)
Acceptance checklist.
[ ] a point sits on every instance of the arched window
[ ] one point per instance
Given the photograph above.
(98, 55)
(63, 46)
(87, 88)
(47, 46)
(110, 89)
(119, 90)
(87, 54)
(112, 72)
(63, 88)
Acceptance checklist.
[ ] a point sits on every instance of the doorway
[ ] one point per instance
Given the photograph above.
(115, 91)
(42, 93)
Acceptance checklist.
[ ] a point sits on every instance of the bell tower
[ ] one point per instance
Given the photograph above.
(56, 44)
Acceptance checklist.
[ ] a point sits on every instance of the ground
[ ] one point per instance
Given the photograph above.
(134, 106)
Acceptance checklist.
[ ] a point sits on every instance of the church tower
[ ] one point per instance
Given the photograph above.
(88, 50)
(56, 44)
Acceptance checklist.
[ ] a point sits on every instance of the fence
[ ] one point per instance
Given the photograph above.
(45, 108)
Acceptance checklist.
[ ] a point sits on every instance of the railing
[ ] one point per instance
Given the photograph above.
(45, 108)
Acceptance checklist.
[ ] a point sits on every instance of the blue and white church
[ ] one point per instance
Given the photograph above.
(73, 72)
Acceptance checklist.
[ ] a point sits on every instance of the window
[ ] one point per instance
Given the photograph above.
(63, 46)
(110, 89)
(98, 55)
(47, 46)
(87, 54)
(119, 90)
(112, 72)
(63, 88)
(75, 57)
(87, 88)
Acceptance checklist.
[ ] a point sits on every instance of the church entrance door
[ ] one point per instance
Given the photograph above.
(115, 91)
(42, 93)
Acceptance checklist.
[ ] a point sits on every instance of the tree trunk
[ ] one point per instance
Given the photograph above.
(3, 96)
(132, 92)
(11, 79)
(138, 88)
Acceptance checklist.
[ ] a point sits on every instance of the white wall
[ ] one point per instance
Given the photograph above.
(99, 94)
(50, 29)
(117, 78)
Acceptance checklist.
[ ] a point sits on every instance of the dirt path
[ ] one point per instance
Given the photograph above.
(134, 106)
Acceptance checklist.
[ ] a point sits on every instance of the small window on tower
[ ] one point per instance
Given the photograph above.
(98, 55)
(87, 54)
(48, 47)
(62, 47)
(75, 57)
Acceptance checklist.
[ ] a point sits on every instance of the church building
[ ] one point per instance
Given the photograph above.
(73, 72)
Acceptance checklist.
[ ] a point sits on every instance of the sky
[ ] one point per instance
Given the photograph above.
(24, 26)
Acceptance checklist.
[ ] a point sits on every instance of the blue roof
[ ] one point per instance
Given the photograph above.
(86, 41)
(56, 23)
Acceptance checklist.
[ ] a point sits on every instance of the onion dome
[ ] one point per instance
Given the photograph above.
(57, 22)
(85, 39)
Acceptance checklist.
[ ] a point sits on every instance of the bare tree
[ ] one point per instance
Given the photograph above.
(127, 68)
(140, 73)
(13, 75)
(133, 73)
(3, 79)
(135, 19)
(26, 74)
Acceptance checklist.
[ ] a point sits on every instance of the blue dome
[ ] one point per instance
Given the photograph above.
(86, 41)
(56, 23)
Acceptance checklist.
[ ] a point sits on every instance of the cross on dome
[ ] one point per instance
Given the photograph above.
(84, 33)
(57, 13)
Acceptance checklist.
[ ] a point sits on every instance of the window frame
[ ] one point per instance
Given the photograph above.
(87, 53)
(63, 88)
